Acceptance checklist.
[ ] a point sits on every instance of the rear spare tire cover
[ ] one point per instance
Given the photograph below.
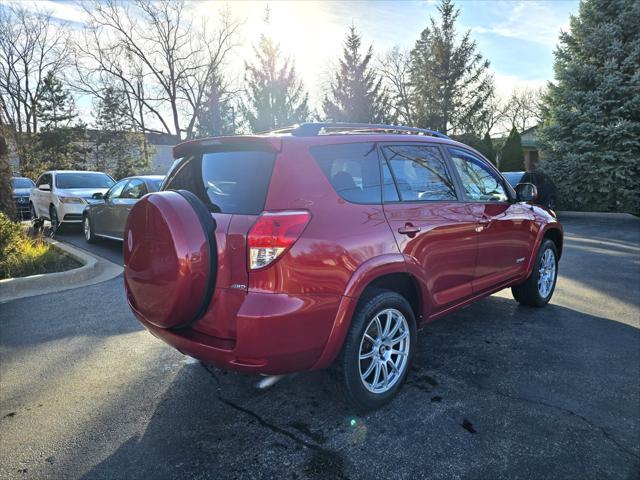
(170, 258)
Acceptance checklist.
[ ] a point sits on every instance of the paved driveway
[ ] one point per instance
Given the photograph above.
(498, 391)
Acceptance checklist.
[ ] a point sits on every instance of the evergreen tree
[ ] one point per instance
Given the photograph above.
(356, 93)
(275, 96)
(120, 151)
(218, 115)
(487, 148)
(450, 78)
(591, 115)
(60, 142)
(512, 156)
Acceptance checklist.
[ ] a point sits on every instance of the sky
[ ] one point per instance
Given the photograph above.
(517, 37)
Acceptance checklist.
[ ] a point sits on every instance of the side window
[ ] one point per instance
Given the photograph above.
(353, 169)
(45, 179)
(479, 181)
(116, 190)
(135, 189)
(420, 173)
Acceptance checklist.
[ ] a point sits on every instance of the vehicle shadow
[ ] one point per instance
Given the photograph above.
(497, 391)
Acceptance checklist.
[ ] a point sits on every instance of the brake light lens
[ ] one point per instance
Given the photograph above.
(273, 234)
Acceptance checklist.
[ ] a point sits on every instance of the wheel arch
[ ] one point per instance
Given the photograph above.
(383, 272)
(556, 236)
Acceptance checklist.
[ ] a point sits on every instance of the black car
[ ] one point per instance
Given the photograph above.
(546, 188)
(106, 215)
(21, 187)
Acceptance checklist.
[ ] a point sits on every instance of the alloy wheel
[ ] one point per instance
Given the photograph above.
(384, 351)
(547, 273)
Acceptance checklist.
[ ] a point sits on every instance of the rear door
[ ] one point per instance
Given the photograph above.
(133, 191)
(102, 213)
(232, 181)
(506, 230)
(432, 226)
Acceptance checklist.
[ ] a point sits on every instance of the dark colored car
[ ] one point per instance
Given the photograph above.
(329, 244)
(21, 187)
(546, 188)
(106, 214)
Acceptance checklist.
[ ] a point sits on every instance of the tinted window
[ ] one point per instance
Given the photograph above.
(20, 182)
(154, 184)
(479, 181)
(135, 189)
(83, 180)
(353, 170)
(513, 178)
(420, 173)
(45, 179)
(116, 190)
(389, 190)
(228, 182)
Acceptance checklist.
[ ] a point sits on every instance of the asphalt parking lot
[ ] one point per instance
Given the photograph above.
(497, 390)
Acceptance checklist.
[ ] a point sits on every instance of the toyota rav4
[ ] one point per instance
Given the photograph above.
(330, 244)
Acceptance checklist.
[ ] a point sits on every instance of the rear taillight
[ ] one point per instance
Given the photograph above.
(273, 234)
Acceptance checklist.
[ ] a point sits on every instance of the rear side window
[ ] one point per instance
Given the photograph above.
(353, 169)
(420, 173)
(227, 182)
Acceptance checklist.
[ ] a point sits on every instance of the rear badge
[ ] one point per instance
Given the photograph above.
(130, 241)
(520, 260)
(239, 286)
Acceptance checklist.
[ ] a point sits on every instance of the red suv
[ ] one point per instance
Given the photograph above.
(329, 244)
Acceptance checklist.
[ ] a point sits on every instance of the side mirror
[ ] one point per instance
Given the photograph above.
(45, 187)
(97, 196)
(526, 192)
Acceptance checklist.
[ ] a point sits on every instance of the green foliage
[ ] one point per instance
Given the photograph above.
(7, 204)
(487, 148)
(21, 255)
(511, 155)
(120, 151)
(450, 78)
(218, 115)
(275, 96)
(356, 93)
(591, 128)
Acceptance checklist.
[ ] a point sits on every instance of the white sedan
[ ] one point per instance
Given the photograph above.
(61, 195)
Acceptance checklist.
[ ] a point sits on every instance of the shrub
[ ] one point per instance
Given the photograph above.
(512, 156)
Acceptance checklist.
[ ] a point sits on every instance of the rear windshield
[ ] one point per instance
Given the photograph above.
(83, 180)
(227, 182)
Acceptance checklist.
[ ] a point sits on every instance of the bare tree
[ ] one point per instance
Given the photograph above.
(31, 46)
(394, 69)
(156, 55)
(522, 109)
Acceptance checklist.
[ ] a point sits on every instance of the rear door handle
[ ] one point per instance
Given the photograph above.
(408, 229)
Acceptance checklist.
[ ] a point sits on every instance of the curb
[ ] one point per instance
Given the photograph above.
(604, 215)
(93, 270)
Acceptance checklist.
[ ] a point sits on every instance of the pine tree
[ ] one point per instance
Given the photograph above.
(218, 116)
(511, 155)
(487, 149)
(356, 93)
(591, 129)
(119, 149)
(275, 96)
(60, 142)
(450, 78)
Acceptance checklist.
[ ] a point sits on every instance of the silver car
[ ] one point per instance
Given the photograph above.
(106, 215)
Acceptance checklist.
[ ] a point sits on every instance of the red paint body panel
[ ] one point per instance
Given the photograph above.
(294, 314)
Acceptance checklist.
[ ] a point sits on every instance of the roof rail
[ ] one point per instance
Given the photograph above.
(314, 129)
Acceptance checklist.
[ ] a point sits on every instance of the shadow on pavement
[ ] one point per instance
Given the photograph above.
(497, 391)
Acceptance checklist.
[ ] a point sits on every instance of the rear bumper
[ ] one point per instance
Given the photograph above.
(274, 333)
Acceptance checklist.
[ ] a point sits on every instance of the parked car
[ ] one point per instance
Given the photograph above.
(329, 244)
(21, 187)
(546, 188)
(106, 216)
(61, 195)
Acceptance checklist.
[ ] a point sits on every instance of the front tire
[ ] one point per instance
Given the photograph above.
(87, 228)
(54, 220)
(538, 289)
(378, 350)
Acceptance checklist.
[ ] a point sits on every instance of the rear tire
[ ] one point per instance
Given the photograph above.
(378, 350)
(87, 228)
(538, 289)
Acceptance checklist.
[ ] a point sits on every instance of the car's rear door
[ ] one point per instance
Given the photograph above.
(433, 227)
(505, 229)
(132, 192)
(102, 212)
